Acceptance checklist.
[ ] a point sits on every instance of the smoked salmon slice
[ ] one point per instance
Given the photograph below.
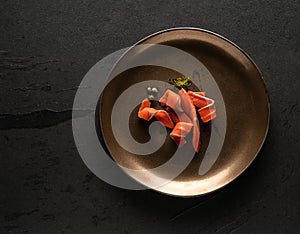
(180, 131)
(180, 141)
(178, 117)
(172, 100)
(190, 110)
(145, 103)
(146, 112)
(200, 93)
(207, 106)
(163, 117)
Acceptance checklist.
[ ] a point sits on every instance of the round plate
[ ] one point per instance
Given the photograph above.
(245, 103)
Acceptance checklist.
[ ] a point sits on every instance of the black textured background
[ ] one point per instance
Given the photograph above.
(46, 49)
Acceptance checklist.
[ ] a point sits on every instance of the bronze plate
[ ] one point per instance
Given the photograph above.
(246, 103)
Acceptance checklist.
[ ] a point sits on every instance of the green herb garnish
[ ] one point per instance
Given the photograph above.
(182, 82)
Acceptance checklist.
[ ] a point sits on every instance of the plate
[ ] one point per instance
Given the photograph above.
(228, 144)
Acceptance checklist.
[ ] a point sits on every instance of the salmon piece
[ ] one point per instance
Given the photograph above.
(172, 100)
(187, 104)
(147, 113)
(200, 93)
(184, 118)
(182, 128)
(145, 103)
(190, 110)
(164, 118)
(207, 106)
(161, 115)
(197, 99)
(207, 115)
(172, 114)
(180, 141)
(144, 114)
(178, 117)
(180, 131)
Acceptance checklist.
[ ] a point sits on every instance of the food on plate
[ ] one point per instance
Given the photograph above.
(190, 110)
(180, 131)
(172, 100)
(151, 97)
(180, 109)
(163, 117)
(207, 106)
(146, 113)
(179, 116)
(152, 92)
(145, 103)
(181, 82)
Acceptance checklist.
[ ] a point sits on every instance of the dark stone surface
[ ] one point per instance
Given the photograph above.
(46, 48)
